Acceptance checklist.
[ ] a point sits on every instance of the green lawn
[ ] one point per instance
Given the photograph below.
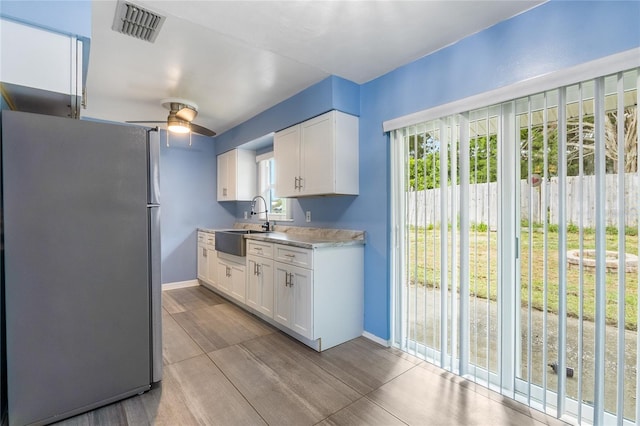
(424, 268)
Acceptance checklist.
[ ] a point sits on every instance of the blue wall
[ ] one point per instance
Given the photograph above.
(331, 93)
(548, 38)
(188, 201)
(72, 17)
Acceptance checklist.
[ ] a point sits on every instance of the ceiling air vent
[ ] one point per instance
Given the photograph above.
(137, 21)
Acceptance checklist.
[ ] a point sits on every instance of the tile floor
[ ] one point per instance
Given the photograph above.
(224, 366)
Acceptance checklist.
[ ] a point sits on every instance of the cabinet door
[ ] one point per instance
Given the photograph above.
(265, 273)
(293, 304)
(40, 59)
(226, 176)
(301, 285)
(212, 267)
(286, 154)
(253, 283)
(317, 154)
(238, 282)
(223, 281)
(202, 263)
(260, 285)
(244, 176)
(223, 179)
(236, 175)
(283, 296)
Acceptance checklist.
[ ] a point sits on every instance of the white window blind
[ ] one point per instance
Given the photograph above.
(515, 246)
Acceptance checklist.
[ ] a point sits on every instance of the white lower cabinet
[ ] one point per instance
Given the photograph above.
(207, 258)
(232, 276)
(260, 285)
(212, 266)
(223, 282)
(202, 262)
(319, 293)
(294, 298)
(260, 277)
(314, 294)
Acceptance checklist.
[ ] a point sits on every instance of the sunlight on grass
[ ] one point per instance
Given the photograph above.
(424, 269)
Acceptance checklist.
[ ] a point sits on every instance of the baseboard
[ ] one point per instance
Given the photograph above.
(376, 339)
(180, 284)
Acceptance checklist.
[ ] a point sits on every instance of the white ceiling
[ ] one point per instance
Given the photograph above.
(235, 59)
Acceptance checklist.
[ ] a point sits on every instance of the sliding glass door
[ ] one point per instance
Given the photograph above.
(516, 244)
(578, 276)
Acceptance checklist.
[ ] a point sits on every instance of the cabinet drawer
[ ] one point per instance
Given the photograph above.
(294, 255)
(260, 248)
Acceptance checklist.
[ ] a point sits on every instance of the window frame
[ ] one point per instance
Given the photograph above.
(268, 190)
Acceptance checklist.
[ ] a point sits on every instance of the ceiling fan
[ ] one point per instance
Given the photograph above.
(181, 114)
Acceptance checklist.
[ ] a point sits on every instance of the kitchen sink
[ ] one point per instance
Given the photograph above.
(232, 241)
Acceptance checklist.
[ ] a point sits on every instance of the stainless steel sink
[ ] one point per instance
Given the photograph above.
(232, 241)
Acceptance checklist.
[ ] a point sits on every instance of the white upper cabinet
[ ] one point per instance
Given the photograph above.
(41, 60)
(318, 157)
(237, 175)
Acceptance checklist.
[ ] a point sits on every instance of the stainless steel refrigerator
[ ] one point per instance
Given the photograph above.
(81, 271)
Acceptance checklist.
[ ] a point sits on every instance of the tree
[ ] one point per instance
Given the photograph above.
(630, 143)
(577, 139)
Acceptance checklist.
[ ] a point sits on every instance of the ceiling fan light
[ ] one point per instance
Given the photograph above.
(176, 125)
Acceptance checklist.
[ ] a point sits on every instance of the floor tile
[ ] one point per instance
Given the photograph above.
(362, 412)
(362, 364)
(210, 398)
(189, 298)
(281, 383)
(219, 326)
(176, 343)
(420, 397)
(252, 374)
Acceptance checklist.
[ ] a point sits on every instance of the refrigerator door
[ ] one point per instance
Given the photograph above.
(78, 331)
(156, 292)
(155, 260)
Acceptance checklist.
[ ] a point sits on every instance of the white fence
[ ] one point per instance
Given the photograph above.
(483, 202)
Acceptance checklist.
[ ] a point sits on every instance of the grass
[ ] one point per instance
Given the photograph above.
(424, 268)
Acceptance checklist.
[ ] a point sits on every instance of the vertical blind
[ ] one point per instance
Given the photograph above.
(516, 242)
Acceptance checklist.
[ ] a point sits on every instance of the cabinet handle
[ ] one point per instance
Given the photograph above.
(290, 256)
(300, 183)
(204, 252)
(291, 280)
(286, 279)
(224, 192)
(295, 185)
(258, 269)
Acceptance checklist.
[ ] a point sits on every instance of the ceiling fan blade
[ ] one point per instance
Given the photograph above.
(144, 121)
(202, 130)
(187, 114)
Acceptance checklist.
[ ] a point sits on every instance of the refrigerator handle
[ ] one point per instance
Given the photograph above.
(153, 166)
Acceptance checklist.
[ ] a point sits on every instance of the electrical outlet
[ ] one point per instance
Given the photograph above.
(308, 216)
(246, 214)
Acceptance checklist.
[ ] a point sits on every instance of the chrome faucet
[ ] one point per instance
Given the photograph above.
(266, 225)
